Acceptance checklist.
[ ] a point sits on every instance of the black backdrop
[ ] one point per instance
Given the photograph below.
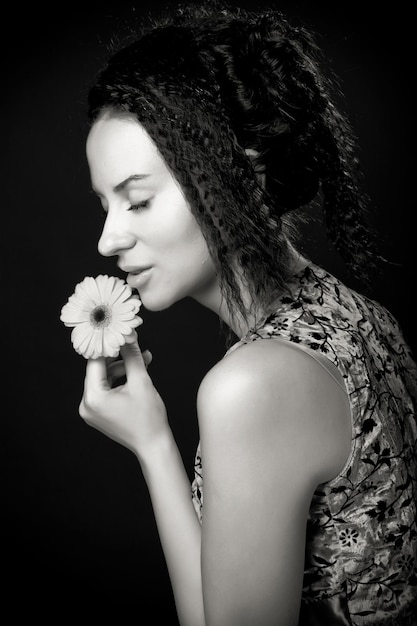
(79, 530)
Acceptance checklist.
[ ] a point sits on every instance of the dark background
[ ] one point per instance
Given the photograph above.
(79, 531)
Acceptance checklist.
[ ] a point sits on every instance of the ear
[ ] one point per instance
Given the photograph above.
(258, 167)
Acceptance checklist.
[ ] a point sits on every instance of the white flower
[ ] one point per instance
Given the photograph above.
(103, 312)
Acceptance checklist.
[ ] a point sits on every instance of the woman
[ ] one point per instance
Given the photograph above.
(207, 133)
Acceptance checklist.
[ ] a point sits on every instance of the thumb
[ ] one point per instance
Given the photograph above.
(96, 374)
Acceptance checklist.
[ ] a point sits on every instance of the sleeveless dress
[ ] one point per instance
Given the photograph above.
(361, 542)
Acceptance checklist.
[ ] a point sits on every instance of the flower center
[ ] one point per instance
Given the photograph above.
(100, 316)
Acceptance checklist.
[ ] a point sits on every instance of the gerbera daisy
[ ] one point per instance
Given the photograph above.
(103, 312)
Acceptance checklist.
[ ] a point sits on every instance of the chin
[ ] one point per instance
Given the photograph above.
(156, 304)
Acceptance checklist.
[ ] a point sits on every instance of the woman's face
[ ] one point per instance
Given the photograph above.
(149, 225)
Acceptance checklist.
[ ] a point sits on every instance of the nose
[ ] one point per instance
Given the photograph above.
(114, 239)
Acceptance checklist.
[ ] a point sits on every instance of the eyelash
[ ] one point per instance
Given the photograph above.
(140, 205)
(134, 207)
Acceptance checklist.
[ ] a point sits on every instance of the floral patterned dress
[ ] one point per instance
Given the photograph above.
(361, 544)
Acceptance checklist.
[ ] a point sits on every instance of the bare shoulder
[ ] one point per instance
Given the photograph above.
(268, 391)
(273, 425)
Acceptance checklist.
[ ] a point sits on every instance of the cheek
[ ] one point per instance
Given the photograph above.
(193, 249)
(182, 237)
(187, 258)
(176, 233)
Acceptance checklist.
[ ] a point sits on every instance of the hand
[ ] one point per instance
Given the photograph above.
(133, 414)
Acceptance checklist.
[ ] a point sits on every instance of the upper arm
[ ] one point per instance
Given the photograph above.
(262, 416)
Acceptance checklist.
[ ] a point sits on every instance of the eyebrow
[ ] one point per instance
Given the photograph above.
(124, 183)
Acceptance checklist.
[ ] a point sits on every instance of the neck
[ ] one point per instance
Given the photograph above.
(213, 300)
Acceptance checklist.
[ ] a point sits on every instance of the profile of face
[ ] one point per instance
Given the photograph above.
(149, 225)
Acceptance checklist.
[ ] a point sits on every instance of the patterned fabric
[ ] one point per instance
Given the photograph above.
(361, 544)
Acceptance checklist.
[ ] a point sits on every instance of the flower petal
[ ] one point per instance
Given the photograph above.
(81, 301)
(92, 288)
(137, 321)
(124, 308)
(72, 315)
(81, 334)
(112, 338)
(121, 291)
(109, 350)
(106, 285)
(84, 294)
(97, 343)
(91, 348)
(121, 327)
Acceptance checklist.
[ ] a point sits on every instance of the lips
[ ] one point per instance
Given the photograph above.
(134, 269)
(137, 277)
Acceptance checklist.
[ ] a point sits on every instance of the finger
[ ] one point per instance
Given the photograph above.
(133, 359)
(116, 368)
(96, 374)
(147, 357)
(132, 337)
(115, 372)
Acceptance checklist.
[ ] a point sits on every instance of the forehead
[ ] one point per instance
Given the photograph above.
(117, 148)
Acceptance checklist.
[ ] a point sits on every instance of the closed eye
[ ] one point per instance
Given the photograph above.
(140, 205)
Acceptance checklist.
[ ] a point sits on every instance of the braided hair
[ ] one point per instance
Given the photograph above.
(210, 83)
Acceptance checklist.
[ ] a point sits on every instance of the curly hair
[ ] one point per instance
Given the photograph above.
(207, 84)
